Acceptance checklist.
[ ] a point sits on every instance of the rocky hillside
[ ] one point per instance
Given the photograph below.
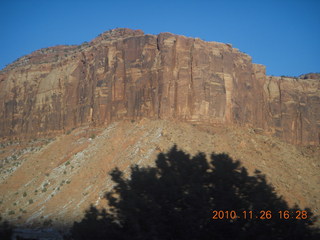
(126, 74)
(53, 182)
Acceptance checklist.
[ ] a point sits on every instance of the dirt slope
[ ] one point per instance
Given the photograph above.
(54, 182)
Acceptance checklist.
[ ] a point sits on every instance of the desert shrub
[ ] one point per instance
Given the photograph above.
(11, 212)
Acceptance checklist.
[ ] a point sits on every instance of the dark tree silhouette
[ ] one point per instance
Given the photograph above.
(176, 199)
(5, 231)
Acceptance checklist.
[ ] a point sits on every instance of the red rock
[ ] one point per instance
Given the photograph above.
(125, 74)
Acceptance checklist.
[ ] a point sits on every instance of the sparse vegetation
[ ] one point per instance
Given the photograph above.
(11, 212)
(30, 201)
(68, 132)
(47, 223)
(44, 190)
(176, 199)
(24, 194)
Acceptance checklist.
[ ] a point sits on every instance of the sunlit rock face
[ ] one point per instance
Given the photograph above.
(126, 74)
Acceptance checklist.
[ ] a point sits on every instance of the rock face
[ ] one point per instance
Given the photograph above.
(125, 74)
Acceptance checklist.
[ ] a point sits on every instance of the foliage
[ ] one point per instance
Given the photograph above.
(175, 200)
(5, 231)
(11, 212)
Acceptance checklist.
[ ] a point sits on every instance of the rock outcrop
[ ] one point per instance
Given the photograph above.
(125, 74)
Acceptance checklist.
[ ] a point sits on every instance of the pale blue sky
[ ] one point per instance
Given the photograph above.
(284, 35)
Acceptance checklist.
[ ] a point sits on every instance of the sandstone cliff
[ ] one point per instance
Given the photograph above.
(125, 74)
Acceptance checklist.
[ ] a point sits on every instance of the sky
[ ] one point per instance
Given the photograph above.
(283, 35)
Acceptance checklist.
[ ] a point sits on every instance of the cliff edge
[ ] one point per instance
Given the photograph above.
(126, 74)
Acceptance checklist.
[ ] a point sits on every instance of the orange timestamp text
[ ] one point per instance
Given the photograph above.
(262, 214)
